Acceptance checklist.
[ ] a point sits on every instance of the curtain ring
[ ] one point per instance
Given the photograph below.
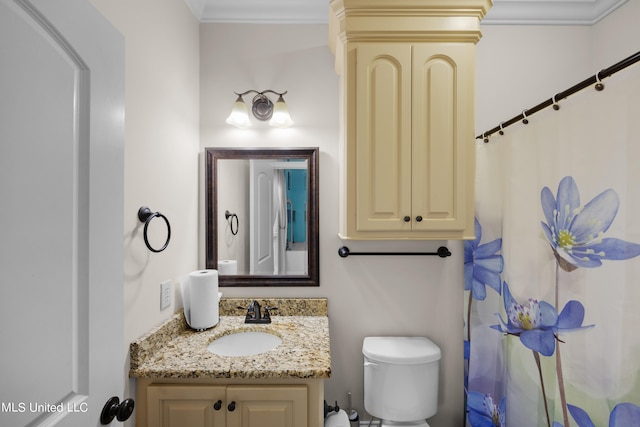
(599, 85)
(485, 138)
(524, 117)
(556, 106)
(501, 131)
(145, 215)
(233, 216)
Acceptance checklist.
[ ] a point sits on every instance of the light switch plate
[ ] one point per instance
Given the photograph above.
(165, 294)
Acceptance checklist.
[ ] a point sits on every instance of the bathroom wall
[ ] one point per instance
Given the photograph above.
(371, 296)
(521, 66)
(616, 37)
(388, 296)
(179, 84)
(160, 153)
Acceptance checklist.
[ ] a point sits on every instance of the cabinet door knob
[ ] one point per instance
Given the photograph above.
(407, 218)
(217, 405)
(419, 218)
(232, 406)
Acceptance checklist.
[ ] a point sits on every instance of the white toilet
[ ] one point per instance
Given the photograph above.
(401, 380)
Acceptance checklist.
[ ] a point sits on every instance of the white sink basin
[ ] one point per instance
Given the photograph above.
(244, 344)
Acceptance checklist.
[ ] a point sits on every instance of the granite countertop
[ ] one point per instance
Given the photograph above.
(173, 350)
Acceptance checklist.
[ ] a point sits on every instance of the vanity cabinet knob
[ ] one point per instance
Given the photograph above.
(217, 405)
(232, 406)
(407, 218)
(419, 218)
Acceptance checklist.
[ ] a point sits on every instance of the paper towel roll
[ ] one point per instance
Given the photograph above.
(337, 419)
(227, 267)
(203, 295)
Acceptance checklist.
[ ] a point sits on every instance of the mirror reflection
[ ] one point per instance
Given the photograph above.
(262, 216)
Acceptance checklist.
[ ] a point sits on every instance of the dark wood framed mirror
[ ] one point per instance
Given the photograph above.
(261, 216)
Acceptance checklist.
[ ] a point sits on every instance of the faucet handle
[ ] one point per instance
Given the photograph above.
(253, 310)
(267, 311)
(248, 310)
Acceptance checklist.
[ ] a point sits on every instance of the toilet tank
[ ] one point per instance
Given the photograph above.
(401, 377)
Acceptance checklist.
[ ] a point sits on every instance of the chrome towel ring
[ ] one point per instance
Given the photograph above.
(145, 215)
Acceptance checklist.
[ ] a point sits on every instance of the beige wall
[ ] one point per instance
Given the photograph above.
(521, 66)
(161, 151)
(179, 82)
(616, 37)
(367, 296)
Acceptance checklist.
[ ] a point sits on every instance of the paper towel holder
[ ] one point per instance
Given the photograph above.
(145, 215)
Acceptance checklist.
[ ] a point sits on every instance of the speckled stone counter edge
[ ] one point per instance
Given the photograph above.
(153, 341)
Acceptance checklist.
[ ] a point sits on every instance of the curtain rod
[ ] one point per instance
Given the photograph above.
(596, 78)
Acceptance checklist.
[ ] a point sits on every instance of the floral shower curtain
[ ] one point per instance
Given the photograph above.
(552, 281)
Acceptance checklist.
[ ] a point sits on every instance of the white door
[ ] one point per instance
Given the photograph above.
(61, 213)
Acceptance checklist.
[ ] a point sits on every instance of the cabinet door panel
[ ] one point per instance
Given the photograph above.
(268, 406)
(442, 135)
(383, 153)
(185, 406)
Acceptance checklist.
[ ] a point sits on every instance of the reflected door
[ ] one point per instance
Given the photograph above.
(260, 214)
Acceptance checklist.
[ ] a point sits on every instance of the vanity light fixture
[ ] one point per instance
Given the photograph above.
(262, 109)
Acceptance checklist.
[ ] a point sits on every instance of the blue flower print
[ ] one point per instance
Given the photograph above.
(481, 265)
(537, 322)
(576, 233)
(483, 412)
(623, 415)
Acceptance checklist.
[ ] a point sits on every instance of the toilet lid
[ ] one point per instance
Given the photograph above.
(400, 350)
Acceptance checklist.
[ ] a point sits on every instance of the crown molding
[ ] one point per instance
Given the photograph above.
(263, 11)
(548, 12)
(504, 12)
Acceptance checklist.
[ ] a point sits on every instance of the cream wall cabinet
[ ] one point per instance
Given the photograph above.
(190, 403)
(407, 117)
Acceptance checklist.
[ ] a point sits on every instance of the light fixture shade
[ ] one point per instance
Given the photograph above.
(239, 114)
(281, 118)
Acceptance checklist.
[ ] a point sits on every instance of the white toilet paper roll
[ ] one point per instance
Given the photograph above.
(203, 295)
(227, 267)
(337, 419)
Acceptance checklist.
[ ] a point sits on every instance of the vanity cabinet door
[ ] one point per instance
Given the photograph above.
(186, 405)
(267, 406)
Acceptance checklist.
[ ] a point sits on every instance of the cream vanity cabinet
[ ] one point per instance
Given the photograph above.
(180, 383)
(407, 84)
(184, 404)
